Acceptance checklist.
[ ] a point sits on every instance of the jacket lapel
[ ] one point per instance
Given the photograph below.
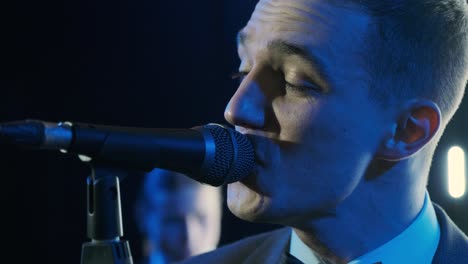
(271, 249)
(453, 244)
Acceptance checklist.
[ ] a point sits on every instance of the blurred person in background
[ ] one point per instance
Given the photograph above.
(177, 217)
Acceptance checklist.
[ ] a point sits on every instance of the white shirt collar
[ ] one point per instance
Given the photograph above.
(301, 251)
(416, 244)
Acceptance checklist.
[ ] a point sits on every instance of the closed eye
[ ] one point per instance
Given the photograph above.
(288, 87)
(303, 89)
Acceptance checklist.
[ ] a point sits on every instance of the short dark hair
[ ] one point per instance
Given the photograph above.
(416, 48)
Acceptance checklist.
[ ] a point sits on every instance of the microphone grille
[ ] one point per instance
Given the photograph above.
(234, 156)
(244, 162)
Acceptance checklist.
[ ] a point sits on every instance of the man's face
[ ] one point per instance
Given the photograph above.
(304, 102)
(185, 222)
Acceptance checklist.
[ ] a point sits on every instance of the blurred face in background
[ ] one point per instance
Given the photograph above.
(178, 217)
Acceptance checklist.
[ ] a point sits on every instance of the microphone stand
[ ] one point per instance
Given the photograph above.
(104, 220)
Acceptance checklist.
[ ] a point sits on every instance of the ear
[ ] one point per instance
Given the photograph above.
(416, 126)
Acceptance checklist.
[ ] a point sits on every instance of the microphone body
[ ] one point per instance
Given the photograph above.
(211, 154)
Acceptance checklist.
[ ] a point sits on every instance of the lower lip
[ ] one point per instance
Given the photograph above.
(251, 181)
(259, 161)
(251, 177)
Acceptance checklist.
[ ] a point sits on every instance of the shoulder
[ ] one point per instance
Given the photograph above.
(239, 251)
(453, 243)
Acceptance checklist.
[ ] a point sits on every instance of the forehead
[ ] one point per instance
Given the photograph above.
(313, 23)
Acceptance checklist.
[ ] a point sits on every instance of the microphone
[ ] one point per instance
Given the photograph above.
(213, 154)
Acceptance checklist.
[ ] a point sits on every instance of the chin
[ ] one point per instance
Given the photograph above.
(248, 204)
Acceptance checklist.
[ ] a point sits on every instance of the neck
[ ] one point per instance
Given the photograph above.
(378, 210)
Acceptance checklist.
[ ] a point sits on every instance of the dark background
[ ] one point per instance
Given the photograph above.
(128, 63)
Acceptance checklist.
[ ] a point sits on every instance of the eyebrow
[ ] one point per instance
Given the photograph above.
(289, 49)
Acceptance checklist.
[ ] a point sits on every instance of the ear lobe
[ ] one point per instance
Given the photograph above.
(416, 127)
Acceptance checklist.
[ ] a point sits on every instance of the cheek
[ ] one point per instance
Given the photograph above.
(295, 117)
(339, 137)
(349, 126)
(332, 141)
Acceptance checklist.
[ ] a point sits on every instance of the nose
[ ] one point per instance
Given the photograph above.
(247, 106)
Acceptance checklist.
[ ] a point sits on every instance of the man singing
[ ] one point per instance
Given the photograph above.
(345, 102)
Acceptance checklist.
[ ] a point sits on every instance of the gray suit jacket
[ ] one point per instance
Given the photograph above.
(269, 247)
